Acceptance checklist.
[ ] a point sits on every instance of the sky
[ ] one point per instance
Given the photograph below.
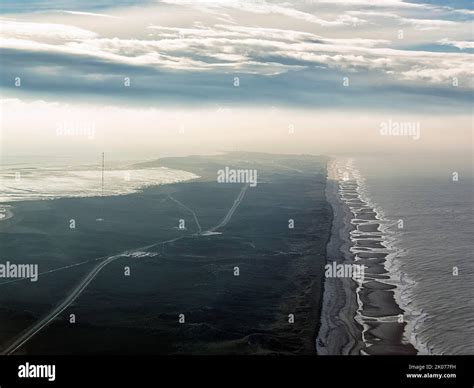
(147, 78)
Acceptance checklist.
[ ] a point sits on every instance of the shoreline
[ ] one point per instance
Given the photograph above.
(358, 317)
(337, 334)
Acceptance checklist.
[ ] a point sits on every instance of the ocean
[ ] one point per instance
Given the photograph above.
(428, 215)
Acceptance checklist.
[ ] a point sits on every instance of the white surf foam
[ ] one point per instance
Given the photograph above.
(349, 175)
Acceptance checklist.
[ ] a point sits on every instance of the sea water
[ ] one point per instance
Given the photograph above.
(433, 199)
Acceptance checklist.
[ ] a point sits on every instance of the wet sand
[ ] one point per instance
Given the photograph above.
(358, 317)
(339, 332)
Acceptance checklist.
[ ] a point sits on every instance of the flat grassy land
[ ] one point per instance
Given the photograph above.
(280, 269)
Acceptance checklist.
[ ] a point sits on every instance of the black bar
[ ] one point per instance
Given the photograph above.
(318, 371)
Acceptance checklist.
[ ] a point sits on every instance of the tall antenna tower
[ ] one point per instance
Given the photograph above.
(103, 168)
(102, 190)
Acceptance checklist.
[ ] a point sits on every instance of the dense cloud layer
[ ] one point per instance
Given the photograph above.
(354, 51)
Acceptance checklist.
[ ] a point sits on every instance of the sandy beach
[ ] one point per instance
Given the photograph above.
(339, 333)
(358, 317)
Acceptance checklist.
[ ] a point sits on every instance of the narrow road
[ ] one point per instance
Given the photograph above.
(54, 270)
(231, 211)
(77, 291)
(189, 210)
(31, 331)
